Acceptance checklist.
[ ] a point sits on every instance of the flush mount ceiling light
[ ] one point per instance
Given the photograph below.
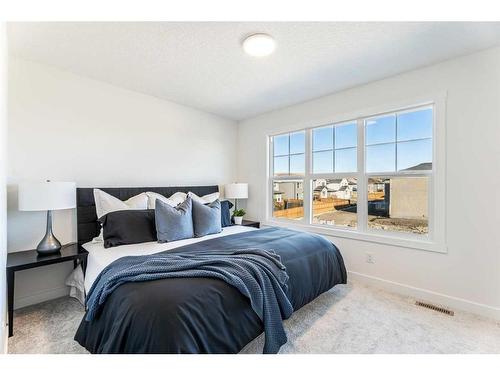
(259, 45)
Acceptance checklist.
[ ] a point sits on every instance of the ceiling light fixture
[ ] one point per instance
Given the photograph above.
(259, 45)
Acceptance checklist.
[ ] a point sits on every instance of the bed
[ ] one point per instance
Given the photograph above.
(194, 315)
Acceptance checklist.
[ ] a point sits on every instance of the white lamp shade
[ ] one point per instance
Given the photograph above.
(44, 196)
(236, 191)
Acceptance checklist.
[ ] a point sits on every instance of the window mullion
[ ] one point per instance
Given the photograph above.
(270, 190)
(362, 208)
(307, 178)
(396, 145)
(333, 146)
(289, 153)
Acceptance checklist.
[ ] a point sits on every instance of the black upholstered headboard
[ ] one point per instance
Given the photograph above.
(86, 217)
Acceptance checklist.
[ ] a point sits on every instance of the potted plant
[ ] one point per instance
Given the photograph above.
(238, 216)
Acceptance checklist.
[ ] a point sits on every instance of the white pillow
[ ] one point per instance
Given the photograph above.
(173, 201)
(206, 199)
(106, 203)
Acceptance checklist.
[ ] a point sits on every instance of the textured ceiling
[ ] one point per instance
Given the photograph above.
(202, 65)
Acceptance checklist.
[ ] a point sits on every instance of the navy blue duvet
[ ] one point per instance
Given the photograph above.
(204, 315)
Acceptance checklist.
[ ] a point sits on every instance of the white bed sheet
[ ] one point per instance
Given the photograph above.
(99, 257)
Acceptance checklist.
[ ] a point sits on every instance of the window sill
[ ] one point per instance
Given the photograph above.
(367, 237)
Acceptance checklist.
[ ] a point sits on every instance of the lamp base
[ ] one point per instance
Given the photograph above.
(49, 243)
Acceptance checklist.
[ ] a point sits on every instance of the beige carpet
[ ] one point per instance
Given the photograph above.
(349, 318)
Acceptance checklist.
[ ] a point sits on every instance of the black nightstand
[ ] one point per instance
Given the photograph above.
(250, 223)
(24, 260)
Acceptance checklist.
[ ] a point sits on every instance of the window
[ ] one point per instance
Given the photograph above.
(398, 204)
(288, 152)
(334, 148)
(373, 174)
(288, 199)
(399, 144)
(334, 198)
(334, 202)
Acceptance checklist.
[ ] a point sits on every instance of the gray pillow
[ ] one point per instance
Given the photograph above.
(206, 218)
(174, 223)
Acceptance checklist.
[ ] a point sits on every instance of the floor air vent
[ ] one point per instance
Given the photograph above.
(435, 308)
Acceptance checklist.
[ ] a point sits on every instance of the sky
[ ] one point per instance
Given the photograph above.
(404, 139)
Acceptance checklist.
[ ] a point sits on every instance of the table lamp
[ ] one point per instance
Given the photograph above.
(47, 196)
(236, 191)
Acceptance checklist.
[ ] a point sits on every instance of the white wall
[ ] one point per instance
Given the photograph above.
(65, 127)
(468, 276)
(3, 155)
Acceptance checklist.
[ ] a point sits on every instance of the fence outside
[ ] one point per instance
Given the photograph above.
(319, 207)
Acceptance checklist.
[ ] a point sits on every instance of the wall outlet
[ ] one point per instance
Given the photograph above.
(370, 258)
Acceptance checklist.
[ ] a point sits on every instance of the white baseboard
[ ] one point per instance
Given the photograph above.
(429, 296)
(42, 296)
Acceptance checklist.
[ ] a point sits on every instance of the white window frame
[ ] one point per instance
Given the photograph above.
(435, 240)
